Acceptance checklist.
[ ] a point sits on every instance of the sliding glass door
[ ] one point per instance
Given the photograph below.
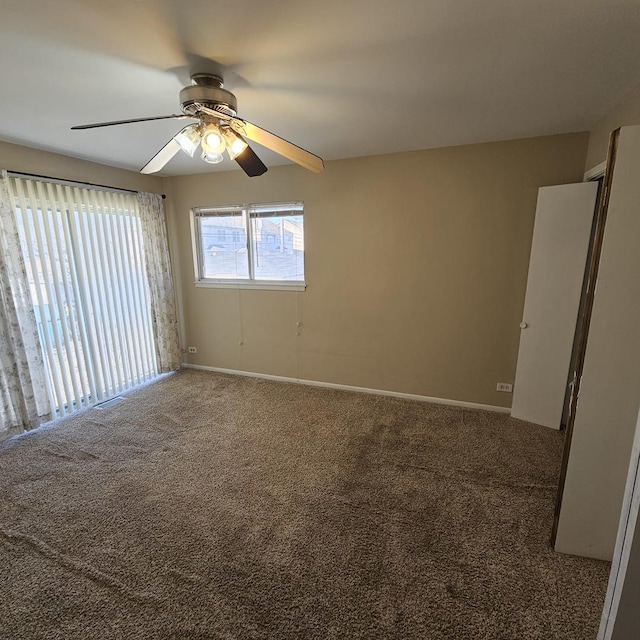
(84, 257)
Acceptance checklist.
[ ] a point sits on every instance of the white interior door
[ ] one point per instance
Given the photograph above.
(564, 216)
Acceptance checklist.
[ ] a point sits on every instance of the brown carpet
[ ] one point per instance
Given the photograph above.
(213, 506)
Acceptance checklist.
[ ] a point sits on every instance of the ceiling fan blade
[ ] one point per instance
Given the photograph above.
(250, 163)
(267, 139)
(162, 157)
(285, 148)
(110, 124)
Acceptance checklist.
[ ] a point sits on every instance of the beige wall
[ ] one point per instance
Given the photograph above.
(416, 268)
(14, 157)
(625, 113)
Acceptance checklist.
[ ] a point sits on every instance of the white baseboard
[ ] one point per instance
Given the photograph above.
(347, 387)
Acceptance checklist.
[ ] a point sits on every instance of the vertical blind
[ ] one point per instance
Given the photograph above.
(84, 257)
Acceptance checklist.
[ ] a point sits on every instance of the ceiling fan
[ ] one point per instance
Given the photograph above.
(217, 128)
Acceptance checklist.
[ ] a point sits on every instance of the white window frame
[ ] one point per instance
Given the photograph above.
(248, 211)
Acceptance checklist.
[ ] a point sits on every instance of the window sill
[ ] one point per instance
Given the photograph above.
(268, 285)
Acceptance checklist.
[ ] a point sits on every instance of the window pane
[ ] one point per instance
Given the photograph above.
(278, 247)
(224, 246)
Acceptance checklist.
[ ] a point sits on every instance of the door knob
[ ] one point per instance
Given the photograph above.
(523, 325)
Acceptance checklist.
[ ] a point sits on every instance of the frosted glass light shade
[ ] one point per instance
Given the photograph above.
(235, 144)
(188, 139)
(212, 140)
(212, 157)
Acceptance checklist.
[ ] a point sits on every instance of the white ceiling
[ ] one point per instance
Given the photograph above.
(342, 78)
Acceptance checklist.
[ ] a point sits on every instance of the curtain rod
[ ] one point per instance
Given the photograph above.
(72, 182)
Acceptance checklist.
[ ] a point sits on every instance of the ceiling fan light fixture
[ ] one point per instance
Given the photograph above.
(235, 144)
(212, 157)
(212, 140)
(189, 139)
(215, 110)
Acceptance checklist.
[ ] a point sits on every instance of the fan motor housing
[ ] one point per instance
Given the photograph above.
(213, 97)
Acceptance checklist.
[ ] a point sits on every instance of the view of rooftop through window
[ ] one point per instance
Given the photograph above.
(262, 243)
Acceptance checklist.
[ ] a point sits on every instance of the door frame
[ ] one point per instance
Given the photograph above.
(582, 330)
(626, 539)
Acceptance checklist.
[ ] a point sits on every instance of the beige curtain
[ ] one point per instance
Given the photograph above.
(160, 278)
(24, 398)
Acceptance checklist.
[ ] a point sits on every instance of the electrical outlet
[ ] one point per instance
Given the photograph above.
(193, 350)
(504, 386)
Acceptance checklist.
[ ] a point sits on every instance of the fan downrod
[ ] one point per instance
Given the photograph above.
(207, 80)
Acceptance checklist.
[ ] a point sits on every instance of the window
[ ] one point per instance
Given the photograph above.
(253, 246)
